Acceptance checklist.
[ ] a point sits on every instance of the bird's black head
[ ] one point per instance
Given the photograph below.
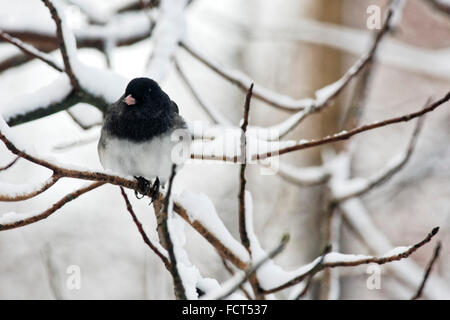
(141, 91)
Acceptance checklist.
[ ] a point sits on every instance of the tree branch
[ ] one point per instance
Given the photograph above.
(60, 36)
(9, 165)
(437, 249)
(356, 262)
(46, 213)
(31, 51)
(180, 291)
(36, 190)
(141, 230)
(252, 269)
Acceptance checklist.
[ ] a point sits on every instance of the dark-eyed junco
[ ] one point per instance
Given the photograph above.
(136, 137)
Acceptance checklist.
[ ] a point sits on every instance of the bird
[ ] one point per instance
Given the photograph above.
(137, 136)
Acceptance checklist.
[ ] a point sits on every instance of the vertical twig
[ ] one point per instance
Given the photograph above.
(242, 224)
(437, 250)
(180, 292)
(62, 45)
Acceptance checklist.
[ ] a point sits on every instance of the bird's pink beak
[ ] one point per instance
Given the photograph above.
(129, 100)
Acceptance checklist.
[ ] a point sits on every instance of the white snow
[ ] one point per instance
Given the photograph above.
(42, 98)
(11, 190)
(11, 217)
(302, 175)
(86, 114)
(169, 31)
(200, 208)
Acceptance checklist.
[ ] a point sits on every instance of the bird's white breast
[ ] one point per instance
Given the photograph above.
(148, 159)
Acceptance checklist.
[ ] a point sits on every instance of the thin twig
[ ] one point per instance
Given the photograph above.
(31, 194)
(344, 135)
(390, 170)
(437, 250)
(347, 134)
(56, 206)
(313, 271)
(242, 225)
(231, 272)
(180, 291)
(142, 231)
(214, 114)
(9, 165)
(62, 45)
(80, 123)
(30, 50)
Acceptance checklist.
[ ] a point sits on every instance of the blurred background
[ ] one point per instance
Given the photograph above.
(293, 47)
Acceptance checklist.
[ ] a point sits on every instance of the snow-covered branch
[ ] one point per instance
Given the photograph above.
(334, 259)
(322, 96)
(204, 222)
(208, 148)
(13, 192)
(356, 187)
(32, 51)
(14, 220)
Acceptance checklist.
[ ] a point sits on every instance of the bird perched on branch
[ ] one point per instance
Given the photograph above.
(139, 134)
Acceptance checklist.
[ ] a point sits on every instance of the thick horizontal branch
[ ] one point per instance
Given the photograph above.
(101, 177)
(68, 101)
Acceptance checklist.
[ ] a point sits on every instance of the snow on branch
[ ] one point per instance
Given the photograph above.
(229, 153)
(304, 176)
(356, 187)
(200, 213)
(356, 215)
(18, 192)
(14, 220)
(200, 217)
(233, 284)
(32, 51)
(322, 96)
(344, 135)
(334, 259)
(66, 41)
(169, 31)
(10, 164)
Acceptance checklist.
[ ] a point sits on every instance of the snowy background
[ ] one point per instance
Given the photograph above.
(286, 46)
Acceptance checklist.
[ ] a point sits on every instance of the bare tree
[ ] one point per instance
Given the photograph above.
(246, 260)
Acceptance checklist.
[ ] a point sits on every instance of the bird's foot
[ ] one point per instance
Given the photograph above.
(143, 186)
(154, 190)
